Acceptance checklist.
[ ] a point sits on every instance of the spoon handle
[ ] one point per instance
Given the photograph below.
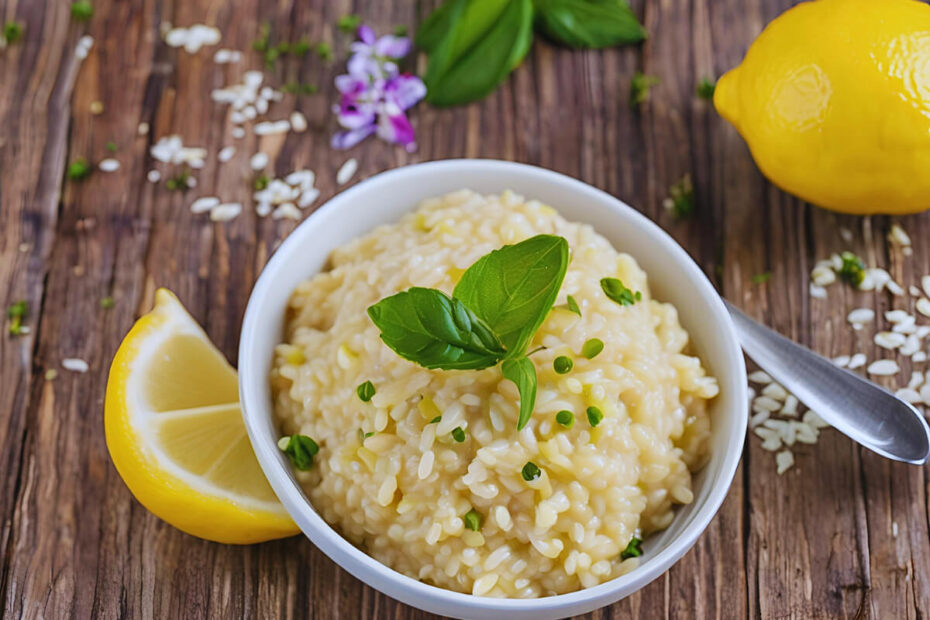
(863, 411)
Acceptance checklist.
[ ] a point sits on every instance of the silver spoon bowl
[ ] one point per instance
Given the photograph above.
(861, 410)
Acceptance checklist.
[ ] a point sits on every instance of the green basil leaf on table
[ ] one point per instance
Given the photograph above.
(468, 63)
(425, 326)
(472, 19)
(523, 374)
(588, 23)
(513, 288)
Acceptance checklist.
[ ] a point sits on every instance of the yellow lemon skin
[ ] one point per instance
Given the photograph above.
(137, 373)
(833, 99)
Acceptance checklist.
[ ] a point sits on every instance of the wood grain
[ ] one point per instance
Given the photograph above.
(844, 534)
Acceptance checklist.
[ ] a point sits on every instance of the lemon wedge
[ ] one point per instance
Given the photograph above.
(175, 433)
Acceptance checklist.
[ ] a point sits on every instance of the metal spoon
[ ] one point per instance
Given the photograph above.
(858, 408)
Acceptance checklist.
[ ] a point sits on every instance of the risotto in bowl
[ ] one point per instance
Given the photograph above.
(483, 401)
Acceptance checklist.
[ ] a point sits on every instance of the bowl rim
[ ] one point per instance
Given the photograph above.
(407, 589)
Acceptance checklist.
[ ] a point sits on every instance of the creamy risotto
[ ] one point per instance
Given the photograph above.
(427, 476)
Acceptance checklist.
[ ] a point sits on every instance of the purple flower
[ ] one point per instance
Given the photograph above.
(374, 95)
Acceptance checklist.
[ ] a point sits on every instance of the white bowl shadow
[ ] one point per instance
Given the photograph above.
(673, 277)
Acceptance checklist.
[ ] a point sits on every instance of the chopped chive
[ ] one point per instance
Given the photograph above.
(107, 302)
(301, 47)
(362, 435)
(436, 420)
(706, 87)
(562, 364)
(595, 415)
(458, 434)
(618, 292)
(565, 418)
(78, 169)
(530, 471)
(852, 269)
(16, 313)
(473, 520)
(261, 182)
(572, 305)
(324, 51)
(261, 43)
(365, 391)
(349, 23)
(592, 348)
(300, 449)
(680, 201)
(82, 10)
(640, 86)
(761, 278)
(633, 550)
(12, 32)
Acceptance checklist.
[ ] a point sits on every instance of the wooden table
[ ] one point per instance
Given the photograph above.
(816, 542)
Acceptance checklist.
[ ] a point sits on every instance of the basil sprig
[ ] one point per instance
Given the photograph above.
(428, 327)
(496, 308)
(473, 45)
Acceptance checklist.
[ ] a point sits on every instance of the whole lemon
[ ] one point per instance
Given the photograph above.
(833, 99)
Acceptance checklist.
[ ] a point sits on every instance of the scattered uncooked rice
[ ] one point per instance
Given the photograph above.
(402, 492)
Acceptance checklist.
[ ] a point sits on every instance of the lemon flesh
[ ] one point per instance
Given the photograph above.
(833, 99)
(175, 433)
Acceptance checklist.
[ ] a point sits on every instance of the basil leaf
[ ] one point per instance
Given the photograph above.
(470, 18)
(425, 326)
(588, 23)
(513, 288)
(460, 71)
(523, 374)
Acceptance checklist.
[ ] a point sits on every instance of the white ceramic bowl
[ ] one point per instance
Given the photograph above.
(673, 277)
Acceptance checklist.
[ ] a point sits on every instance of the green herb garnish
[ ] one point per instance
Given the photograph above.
(852, 269)
(324, 51)
(761, 278)
(572, 305)
(706, 87)
(633, 550)
(592, 348)
(179, 181)
(595, 415)
(616, 291)
(16, 313)
(436, 420)
(301, 47)
(82, 10)
(300, 449)
(565, 418)
(12, 32)
(458, 434)
(107, 303)
(680, 201)
(562, 364)
(493, 313)
(473, 520)
(261, 182)
(365, 391)
(640, 86)
(473, 45)
(261, 43)
(78, 169)
(349, 23)
(530, 471)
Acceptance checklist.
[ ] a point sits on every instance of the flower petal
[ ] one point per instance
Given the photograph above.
(347, 139)
(366, 34)
(392, 47)
(405, 90)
